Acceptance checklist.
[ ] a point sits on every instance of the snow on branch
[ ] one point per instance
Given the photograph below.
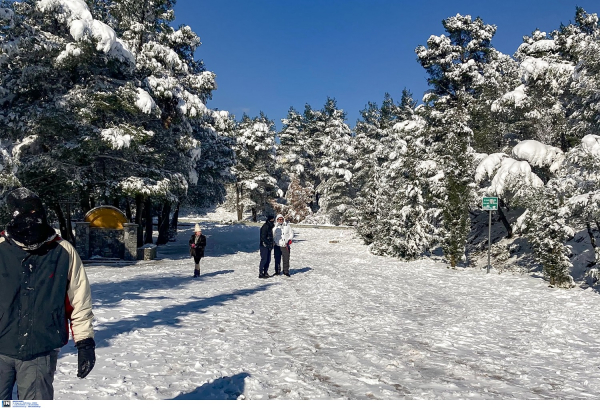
(76, 15)
(487, 167)
(591, 145)
(539, 154)
(513, 174)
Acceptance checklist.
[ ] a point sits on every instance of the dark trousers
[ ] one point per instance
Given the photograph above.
(265, 260)
(33, 377)
(279, 253)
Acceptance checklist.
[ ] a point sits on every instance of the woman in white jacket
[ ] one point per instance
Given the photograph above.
(282, 237)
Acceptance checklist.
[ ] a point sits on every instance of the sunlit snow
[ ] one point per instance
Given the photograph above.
(345, 325)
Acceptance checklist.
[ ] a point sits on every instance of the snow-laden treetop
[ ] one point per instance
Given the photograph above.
(76, 15)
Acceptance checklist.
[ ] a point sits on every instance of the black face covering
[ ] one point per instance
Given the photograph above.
(29, 227)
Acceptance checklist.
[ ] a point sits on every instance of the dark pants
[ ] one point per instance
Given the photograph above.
(265, 260)
(33, 377)
(282, 252)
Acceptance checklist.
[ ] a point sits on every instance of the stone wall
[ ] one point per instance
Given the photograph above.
(82, 239)
(107, 243)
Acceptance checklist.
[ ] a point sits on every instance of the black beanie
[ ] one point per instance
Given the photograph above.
(29, 226)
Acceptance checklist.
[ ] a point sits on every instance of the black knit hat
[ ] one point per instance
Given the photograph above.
(29, 226)
(24, 201)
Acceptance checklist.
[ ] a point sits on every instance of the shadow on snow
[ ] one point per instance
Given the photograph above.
(224, 388)
(110, 293)
(221, 240)
(169, 316)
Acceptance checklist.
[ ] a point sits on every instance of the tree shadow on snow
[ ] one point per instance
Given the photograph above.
(169, 316)
(225, 388)
(108, 294)
(221, 240)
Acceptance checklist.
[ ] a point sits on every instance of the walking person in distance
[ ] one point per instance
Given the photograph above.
(282, 237)
(197, 245)
(266, 245)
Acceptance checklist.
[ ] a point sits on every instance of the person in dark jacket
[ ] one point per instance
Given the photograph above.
(197, 245)
(43, 287)
(266, 245)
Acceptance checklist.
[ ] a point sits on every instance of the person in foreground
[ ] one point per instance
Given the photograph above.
(43, 287)
(282, 235)
(197, 245)
(266, 245)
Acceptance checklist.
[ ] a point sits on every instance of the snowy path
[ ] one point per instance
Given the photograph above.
(345, 325)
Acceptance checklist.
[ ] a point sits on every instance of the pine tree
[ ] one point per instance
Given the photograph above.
(455, 64)
(212, 171)
(372, 145)
(334, 167)
(547, 229)
(255, 185)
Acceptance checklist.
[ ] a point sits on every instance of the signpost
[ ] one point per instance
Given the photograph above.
(489, 204)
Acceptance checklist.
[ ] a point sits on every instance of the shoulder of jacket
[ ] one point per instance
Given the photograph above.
(66, 245)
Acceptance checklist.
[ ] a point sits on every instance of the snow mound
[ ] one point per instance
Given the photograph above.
(591, 143)
(539, 154)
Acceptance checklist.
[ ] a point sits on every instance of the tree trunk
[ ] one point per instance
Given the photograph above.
(116, 202)
(148, 215)
(505, 222)
(85, 201)
(70, 225)
(174, 223)
(254, 214)
(163, 224)
(592, 240)
(239, 207)
(128, 210)
(139, 205)
(62, 223)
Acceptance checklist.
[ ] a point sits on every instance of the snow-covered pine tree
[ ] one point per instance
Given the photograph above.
(216, 134)
(291, 151)
(178, 84)
(295, 160)
(455, 64)
(372, 145)
(581, 42)
(545, 225)
(70, 105)
(580, 173)
(408, 222)
(334, 167)
(255, 183)
(546, 76)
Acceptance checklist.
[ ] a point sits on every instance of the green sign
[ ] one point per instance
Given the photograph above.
(490, 204)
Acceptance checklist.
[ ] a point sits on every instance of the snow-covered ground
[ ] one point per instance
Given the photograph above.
(345, 325)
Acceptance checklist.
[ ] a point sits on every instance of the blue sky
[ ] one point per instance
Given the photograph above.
(272, 54)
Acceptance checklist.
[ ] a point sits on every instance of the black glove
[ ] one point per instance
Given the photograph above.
(86, 356)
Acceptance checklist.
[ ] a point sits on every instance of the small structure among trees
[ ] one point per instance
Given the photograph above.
(106, 233)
